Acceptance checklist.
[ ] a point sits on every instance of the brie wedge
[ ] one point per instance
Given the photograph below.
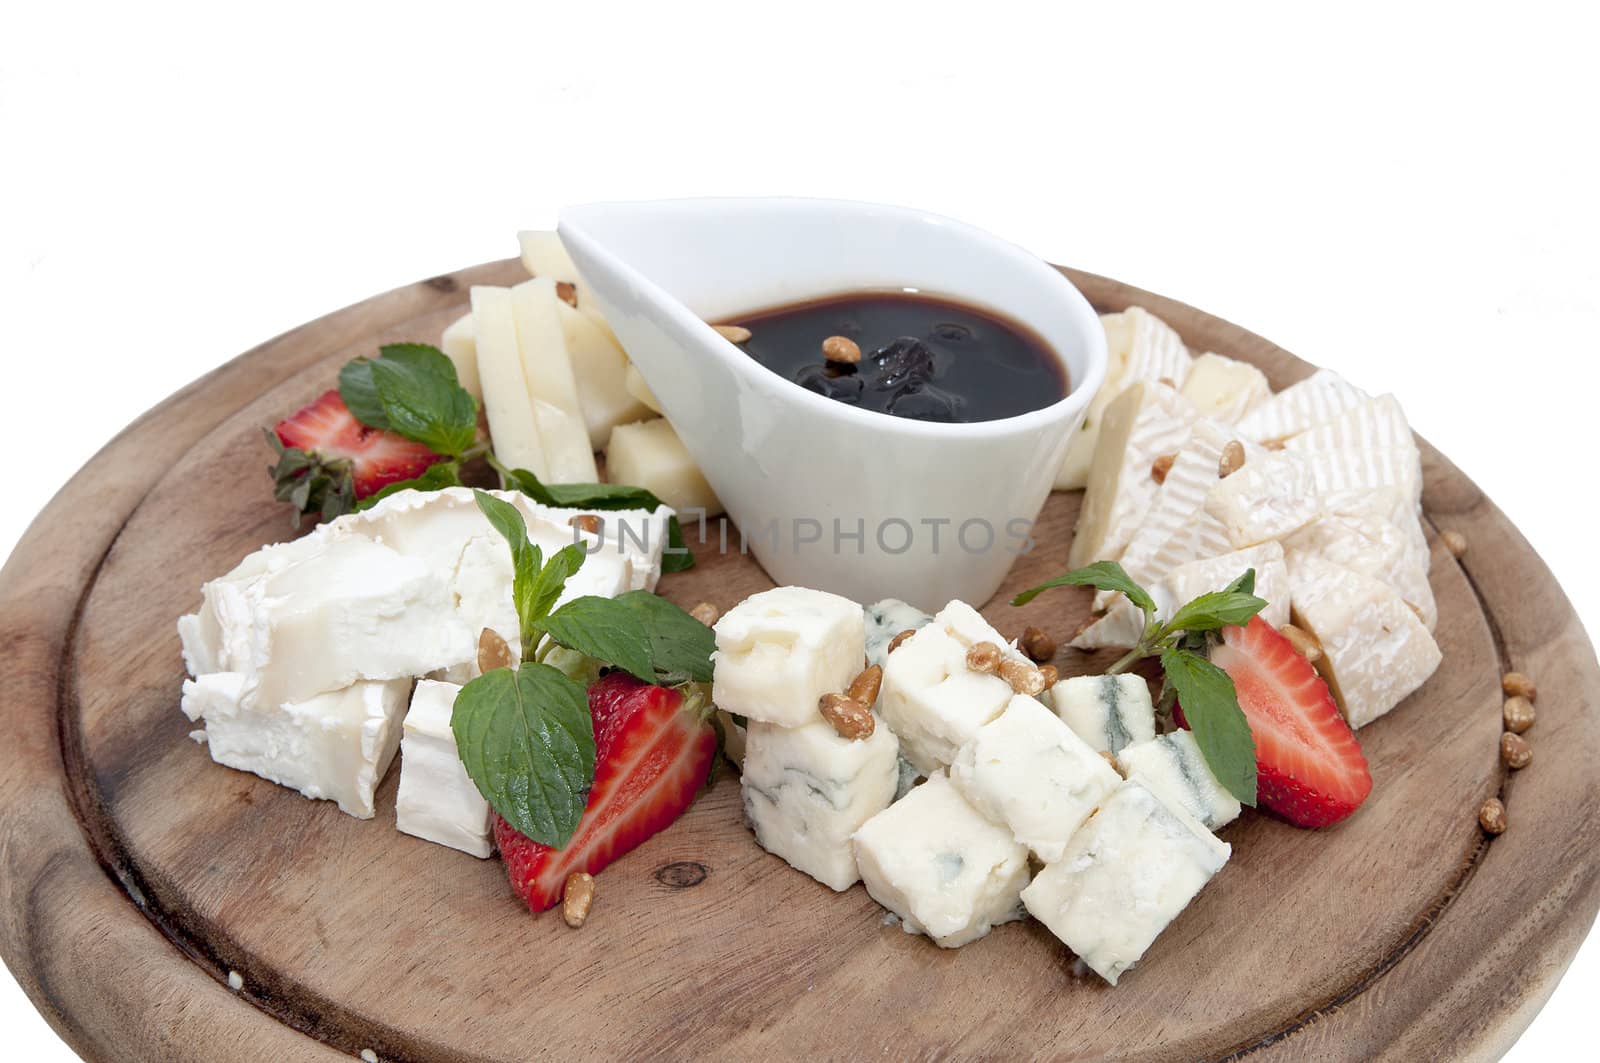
(1320, 397)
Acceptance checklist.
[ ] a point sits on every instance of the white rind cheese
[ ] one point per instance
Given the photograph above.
(1125, 876)
(1139, 347)
(1225, 389)
(1187, 582)
(1375, 546)
(437, 801)
(649, 454)
(1172, 767)
(1320, 397)
(937, 863)
(779, 651)
(1109, 712)
(1028, 771)
(336, 746)
(1375, 650)
(1272, 496)
(807, 791)
(1369, 469)
(1377, 424)
(1147, 422)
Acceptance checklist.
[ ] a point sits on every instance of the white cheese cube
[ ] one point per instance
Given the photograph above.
(779, 651)
(1318, 398)
(1375, 650)
(1139, 347)
(885, 620)
(543, 255)
(460, 344)
(1109, 712)
(1029, 772)
(1224, 388)
(937, 863)
(931, 699)
(334, 746)
(807, 790)
(1123, 879)
(1172, 767)
(437, 800)
(1148, 421)
(649, 454)
(1272, 496)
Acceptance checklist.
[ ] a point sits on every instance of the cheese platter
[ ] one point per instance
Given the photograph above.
(161, 906)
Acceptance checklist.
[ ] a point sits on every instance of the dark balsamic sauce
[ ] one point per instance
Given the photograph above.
(922, 357)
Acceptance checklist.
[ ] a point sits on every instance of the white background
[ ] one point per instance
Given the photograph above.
(1407, 196)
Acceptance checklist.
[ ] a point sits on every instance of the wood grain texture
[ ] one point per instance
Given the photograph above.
(137, 874)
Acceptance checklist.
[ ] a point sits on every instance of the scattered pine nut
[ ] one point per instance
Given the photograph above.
(706, 613)
(894, 643)
(733, 333)
(985, 657)
(1037, 645)
(864, 687)
(841, 349)
(1232, 459)
(1454, 541)
(1515, 751)
(1161, 466)
(849, 717)
(1050, 675)
(587, 522)
(1304, 642)
(1517, 685)
(1025, 678)
(1167, 381)
(577, 898)
(1492, 816)
(1518, 714)
(568, 293)
(493, 652)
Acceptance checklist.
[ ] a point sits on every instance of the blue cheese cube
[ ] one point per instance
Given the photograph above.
(931, 699)
(1027, 771)
(1110, 712)
(885, 620)
(941, 866)
(807, 790)
(1173, 768)
(1124, 877)
(779, 651)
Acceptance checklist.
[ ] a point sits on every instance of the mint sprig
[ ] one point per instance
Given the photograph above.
(1210, 701)
(411, 389)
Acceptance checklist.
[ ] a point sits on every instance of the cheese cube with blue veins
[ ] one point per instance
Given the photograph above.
(930, 698)
(1109, 712)
(885, 620)
(807, 790)
(780, 650)
(1028, 771)
(941, 866)
(1174, 769)
(1125, 876)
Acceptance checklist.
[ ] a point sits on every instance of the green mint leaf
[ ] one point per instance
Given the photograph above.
(550, 582)
(606, 630)
(680, 645)
(1211, 708)
(526, 739)
(421, 398)
(1245, 584)
(676, 557)
(1102, 575)
(434, 478)
(1219, 609)
(602, 497)
(360, 394)
(527, 563)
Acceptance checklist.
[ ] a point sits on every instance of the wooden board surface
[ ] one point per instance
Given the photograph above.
(135, 874)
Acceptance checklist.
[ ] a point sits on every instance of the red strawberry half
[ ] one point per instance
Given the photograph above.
(651, 757)
(328, 458)
(1309, 768)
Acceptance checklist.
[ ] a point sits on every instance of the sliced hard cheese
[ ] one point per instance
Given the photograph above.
(459, 343)
(1270, 497)
(1374, 546)
(633, 380)
(1146, 422)
(515, 433)
(601, 371)
(1320, 397)
(1225, 389)
(649, 454)
(1375, 651)
(544, 256)
(1139, 346)
(1376, 424)
(552, 386)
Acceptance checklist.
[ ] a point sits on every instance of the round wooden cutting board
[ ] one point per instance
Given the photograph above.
(157, 906)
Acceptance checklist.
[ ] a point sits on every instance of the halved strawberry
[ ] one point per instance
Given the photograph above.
(652, 756)
(1309, 768)
(327, 458)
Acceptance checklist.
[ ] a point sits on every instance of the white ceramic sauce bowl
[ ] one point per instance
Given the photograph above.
(827, 495)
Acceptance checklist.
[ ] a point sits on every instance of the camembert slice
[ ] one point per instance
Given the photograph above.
(1320, 397)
